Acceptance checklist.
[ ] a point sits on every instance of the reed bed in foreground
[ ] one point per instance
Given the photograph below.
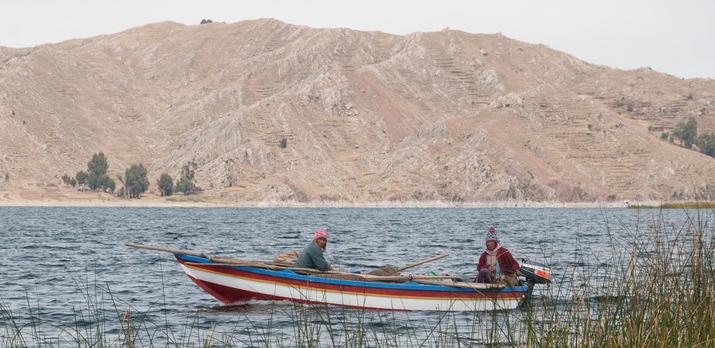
(657, 290)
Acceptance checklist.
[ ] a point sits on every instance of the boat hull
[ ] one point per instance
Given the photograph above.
(236, 284)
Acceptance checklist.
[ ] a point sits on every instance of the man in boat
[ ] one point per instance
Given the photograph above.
(312, 255)
(496, 264)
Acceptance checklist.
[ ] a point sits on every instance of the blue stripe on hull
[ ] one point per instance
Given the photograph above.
(288, 274)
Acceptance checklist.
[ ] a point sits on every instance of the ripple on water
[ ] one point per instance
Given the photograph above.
(64, 257)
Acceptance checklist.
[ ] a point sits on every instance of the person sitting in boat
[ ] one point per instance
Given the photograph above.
(496, 264)
(312, 255)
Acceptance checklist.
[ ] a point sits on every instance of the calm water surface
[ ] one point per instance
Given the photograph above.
(54, 259)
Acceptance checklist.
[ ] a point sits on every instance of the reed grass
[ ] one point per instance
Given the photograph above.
(676, 205)
(656, 290)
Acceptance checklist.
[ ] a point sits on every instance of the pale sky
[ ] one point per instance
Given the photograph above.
(675, 37)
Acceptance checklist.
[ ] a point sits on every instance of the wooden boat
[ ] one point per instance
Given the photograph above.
(236, 284)
(233, 281)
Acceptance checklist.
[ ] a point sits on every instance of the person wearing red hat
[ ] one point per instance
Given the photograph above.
(496, 263)
(312, 255)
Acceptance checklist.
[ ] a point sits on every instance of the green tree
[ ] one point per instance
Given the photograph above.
(81, 178)
(166, 184)
(98, 165)
(135, 180)
(186, 183)
(706, 144)
(97, 172)
(108, 184)
(687, 132)
(68, 180)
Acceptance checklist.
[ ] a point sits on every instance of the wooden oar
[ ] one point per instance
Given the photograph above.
(224, 261)
(392, 270)
(459, 284)
(165, 249)
(219, 259)
(423, 261)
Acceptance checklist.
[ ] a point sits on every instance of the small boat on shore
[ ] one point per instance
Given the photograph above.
(236, 281)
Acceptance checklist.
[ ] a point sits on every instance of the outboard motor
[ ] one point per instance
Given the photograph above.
(536, 272)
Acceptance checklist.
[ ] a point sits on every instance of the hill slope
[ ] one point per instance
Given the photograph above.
(366, 116)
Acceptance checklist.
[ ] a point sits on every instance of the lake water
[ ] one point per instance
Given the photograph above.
(58, 261)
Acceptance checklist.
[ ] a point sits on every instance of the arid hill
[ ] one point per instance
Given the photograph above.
(366, 116)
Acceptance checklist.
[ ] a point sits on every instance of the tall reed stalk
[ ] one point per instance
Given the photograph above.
(657, 291)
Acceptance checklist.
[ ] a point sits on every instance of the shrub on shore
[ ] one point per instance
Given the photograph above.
(687, 132)
(69, 181)
(186, 183)
(165, 184)
(706, 144)
(135, 180)
(95, 178)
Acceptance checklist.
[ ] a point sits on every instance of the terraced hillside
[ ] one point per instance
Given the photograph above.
(364, 116)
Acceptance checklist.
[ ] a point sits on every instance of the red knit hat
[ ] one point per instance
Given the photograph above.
(320, 234)
(492, 235)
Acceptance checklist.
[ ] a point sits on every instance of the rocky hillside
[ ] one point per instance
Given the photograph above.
(366, 116)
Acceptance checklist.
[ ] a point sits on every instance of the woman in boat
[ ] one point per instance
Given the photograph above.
(496, 263)
(312, 255)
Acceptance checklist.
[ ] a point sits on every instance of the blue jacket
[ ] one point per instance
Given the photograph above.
(312, 257)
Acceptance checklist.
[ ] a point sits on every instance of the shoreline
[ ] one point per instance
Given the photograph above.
(138, 203)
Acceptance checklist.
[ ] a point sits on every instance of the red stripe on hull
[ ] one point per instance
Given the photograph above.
(228, 295)
(429, 294)
(225, 294)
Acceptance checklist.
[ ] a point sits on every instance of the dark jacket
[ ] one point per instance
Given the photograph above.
(507, 264)
(312, 257)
